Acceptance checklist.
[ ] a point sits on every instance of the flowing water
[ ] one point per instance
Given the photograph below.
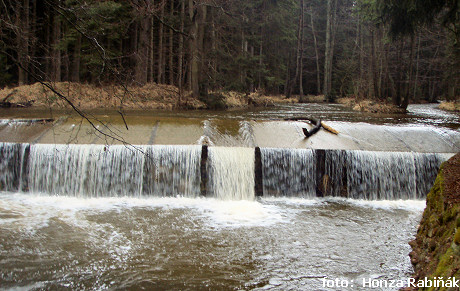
(215, 200)
(120, 217)
(423, 129)
(56, 242)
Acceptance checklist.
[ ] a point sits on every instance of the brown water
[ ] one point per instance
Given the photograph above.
(423, 129)
(55, 241)
(418, 114)
(50, 242)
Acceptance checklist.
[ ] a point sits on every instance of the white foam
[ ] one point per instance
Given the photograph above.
(241, 213)
(409, 205)
(35, 210)
(294, 201)
(231, 173)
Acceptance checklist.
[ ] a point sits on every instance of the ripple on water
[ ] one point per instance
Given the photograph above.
(274, 243)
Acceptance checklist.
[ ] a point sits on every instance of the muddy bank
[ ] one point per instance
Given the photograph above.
(436, 248)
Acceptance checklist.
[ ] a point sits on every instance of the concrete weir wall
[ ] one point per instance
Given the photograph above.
(229, 173)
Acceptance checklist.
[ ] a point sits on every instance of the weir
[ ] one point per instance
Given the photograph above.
(228, 173)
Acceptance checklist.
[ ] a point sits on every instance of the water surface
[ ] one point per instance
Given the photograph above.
(201, 244)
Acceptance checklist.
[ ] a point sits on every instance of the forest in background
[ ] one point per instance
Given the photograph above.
(385, 50)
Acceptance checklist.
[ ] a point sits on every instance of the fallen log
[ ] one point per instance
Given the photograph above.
(314, 130)
(314, 122)
(328, 128)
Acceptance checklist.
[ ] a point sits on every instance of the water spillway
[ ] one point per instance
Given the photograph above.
(147, 225)
(351, 174)
(228, 173)
(231, 173)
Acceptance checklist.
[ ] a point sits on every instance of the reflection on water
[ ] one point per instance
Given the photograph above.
(177, 243)
(427, 114)
(423, 129)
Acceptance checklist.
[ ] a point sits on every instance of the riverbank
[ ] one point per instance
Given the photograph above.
(450, 106)
(436, 248)
(149, 96)
(370, 106)
(167, 97)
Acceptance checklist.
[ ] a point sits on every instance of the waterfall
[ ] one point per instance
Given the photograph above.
(13, 167)
(228, 173)
(351, 174)
(288, 172)
(389, 175)
(85, 170)
(101, 171)
(172, 171)
(231, 173)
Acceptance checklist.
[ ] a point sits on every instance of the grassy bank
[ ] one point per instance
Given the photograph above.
(370, 106)
(150, 96)
(450, 106)
(155, 96)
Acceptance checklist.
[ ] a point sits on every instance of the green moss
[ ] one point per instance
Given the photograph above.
(435, 200)
(457, 237)
(438, 236)
(446, 265)
(449, 215)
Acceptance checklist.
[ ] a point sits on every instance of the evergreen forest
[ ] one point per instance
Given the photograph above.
(389, 50)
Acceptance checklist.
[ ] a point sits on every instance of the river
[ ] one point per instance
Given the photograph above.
(78, 211)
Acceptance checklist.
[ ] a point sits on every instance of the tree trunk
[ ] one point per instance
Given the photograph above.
(202, 79)
(56, 52)
(391, 82)
(301, 49)
(143, 51)
(261, 46)
(151, 57)
(299, 54)
(160, 75)
(75, 74)
(33, 39)
(251, 85)
(180, 60)
(243, 51)
(373, 66)
(405, 101)
(23, 26)
(194, 54)
(213, 61)
(171, 49)
(288, 75)
(360, 90)
(259, 75)
(397, 97)
(329, 49)
(415, 96)
(315, 43)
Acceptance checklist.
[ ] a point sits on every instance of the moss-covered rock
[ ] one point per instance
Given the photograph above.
(436, 249)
